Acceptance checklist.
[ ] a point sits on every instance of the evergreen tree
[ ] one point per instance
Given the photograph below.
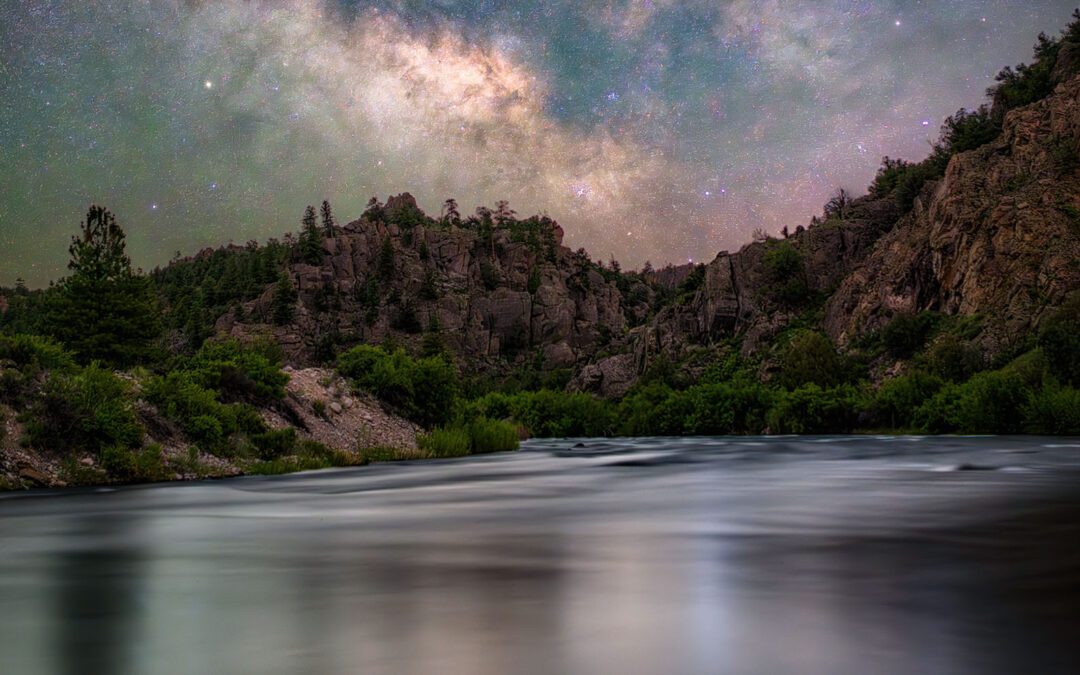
(104, 310)
(428, 289)
(432, 343)
(374, 209)
(450, 212)
(385, 268)
(283, 303)
(327, 219)
(310, 238)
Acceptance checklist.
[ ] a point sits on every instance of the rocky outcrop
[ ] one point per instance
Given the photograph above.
(496, 298)
(321, 406)
(610, 377)
(999, 235)
(737, 295)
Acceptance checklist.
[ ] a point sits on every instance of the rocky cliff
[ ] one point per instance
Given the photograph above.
(504, 296)
(998, 235)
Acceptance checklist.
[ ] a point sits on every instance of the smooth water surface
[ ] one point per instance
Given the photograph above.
(763, 555)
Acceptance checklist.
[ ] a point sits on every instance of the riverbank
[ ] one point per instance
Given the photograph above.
(333, 426)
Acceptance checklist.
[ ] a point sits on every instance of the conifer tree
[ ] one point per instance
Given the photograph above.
(385, 267)
(104, 310)
(432, 343)
(283, 302)
(451, 216)
(310, 238)
(327, 219)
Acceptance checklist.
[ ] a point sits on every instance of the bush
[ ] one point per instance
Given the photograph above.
(653, 409)
(953, 360)
(727, 408)
(788, 277)
(989, 403)
(424, 390)
(200, 414)
(492, 436)
(274, 443)
(118, 462)
(451, 442)
(810, 359)
(238, 372)
(898, 399)
(906, 334)
(1053, 410)
(36, 352)
(90, 410)
(813, 410)
(480, 435)
(1059, 339)
(549, 414)
(206, 430)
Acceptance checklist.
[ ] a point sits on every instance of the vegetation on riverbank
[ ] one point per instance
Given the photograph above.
(489, 330)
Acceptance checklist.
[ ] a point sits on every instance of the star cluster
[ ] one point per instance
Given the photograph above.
(664, 130)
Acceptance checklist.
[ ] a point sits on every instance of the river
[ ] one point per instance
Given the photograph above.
(823, 555)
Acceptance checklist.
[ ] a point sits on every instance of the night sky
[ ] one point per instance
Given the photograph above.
(664, 130)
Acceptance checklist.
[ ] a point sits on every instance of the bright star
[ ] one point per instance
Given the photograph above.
(208, 84)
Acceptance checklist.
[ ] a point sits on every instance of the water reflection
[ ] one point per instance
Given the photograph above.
(96, 605)
(726, 556)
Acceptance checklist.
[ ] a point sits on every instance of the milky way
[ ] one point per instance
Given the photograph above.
(663, 130)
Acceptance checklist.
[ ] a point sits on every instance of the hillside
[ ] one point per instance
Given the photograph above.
(944, 300)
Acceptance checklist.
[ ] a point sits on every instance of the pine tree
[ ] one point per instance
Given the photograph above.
(283, 302)
(310, 238)
(385, 268)
(451, 216)
(327, 219)
(374, 211)
(432, 344)
(104, 310)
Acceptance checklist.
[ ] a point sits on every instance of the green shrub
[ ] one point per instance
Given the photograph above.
(727, 408)
(37, 352)
(906, 334)
(653, 408)
(450, 442)
(810, 409)
(200, 414)
(1031, 367)
(991, 402)
(549, 414)
(423, 390)
(954, 360)
(487, 435)
(238, 372)
(124, 464)
(274, 443)
(150, 464)
(898, 399)
(810, 359)
(1059, 339)
(118, 462)
(788, 277)
(1053, 410)
(90, 410)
